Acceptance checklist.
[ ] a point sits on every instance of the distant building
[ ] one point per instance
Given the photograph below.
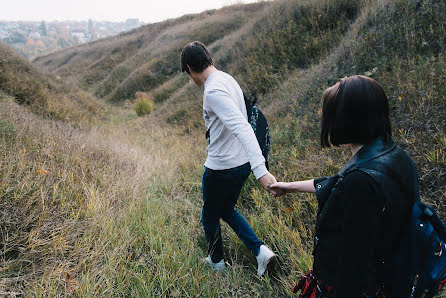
(34, 35)
(27, 36)
(12, 25)
(3, 34)
(132, 23)
(80, 35)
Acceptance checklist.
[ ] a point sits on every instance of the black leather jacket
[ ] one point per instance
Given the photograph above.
(393, 173)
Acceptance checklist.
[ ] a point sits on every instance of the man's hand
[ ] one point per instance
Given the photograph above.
(266, 180)
(280, 188)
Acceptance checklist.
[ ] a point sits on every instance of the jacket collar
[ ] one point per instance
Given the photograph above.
(374, 149)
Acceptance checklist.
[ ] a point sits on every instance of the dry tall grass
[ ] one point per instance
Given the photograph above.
(111, 206)
(111, 211)
(49, 96)
(63, 187)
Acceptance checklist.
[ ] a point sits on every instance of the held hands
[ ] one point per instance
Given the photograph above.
(267, 181)
(279, 188)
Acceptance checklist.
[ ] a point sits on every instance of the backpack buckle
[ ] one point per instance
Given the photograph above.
(439, 251)
(428, 212)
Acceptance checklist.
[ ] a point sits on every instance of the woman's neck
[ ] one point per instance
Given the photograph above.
(355, 148)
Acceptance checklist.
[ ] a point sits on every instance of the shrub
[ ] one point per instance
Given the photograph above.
(143, 104)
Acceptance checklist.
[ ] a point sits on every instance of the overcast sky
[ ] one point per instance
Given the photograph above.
(148, 11)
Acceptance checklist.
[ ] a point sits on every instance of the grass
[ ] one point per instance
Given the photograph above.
(145, 58)
(293, 34)
(143, 104)
(108, 204)
(48, 96)
(165, 91)
(64, 177)
(92, 229)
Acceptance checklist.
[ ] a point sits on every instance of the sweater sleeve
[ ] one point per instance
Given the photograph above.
(223, 106)
(356, 269)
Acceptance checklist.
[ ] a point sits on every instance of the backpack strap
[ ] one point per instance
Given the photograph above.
(366, 167)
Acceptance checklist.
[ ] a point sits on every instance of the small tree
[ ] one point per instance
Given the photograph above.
(143, 104)
(42, 28)
(90, 26)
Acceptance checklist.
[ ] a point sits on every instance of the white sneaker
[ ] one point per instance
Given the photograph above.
(220, 266)
(265, 257)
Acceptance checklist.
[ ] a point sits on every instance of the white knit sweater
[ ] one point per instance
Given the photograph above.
(232, 140)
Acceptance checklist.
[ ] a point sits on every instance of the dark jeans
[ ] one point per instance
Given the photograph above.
(221, 189)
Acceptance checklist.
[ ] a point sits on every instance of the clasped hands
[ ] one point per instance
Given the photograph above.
(270, 184)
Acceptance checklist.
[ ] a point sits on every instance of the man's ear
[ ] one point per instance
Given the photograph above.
(188, 67)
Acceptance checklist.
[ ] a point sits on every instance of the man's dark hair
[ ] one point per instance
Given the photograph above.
(197, 56)
(354, 110)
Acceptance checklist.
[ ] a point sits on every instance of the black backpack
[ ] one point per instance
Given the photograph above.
(417, 267)
(259, 124)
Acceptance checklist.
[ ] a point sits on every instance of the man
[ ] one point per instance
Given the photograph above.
(232, 152)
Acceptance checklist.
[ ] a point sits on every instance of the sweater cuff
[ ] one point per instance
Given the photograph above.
(260, 171)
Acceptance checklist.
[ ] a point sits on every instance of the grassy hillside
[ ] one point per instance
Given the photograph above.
(145, 58)
(112, 208)
(402, 45)
(48, 96)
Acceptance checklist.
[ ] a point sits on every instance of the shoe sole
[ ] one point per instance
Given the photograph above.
(270, 265)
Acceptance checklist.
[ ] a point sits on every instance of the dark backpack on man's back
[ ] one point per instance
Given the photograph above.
(259, 125)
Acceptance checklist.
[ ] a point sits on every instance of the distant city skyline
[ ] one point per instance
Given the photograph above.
(106, 10)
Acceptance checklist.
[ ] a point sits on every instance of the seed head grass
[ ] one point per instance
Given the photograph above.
(96, 201)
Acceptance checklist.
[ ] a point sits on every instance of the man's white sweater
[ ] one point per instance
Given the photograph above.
(232, 140)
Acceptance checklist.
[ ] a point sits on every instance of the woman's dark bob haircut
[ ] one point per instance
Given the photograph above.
(197, 56)
(355, 110)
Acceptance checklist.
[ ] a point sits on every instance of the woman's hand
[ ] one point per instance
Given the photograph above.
(279, 188)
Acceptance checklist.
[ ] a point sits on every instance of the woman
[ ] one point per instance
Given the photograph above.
(363, 208)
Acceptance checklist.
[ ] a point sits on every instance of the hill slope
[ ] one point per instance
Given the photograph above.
(45, 95)
(144, 58)
(115, 209)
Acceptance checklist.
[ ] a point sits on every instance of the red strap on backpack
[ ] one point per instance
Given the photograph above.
(442, 283)
(310, 287)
